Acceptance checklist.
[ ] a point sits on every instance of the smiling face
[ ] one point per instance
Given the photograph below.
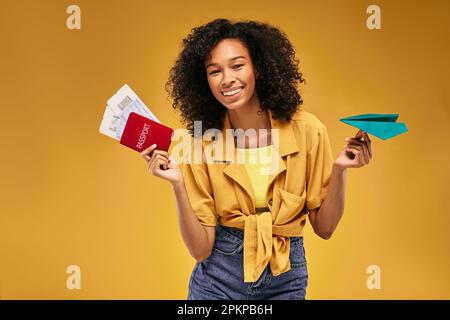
(230, 74)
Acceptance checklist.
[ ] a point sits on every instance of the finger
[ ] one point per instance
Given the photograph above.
(154, 167)
(367, 151)
(153, 155)
(363, 149)
(146, 157)
(162, 161)
(365, 154)
(356, 160)
(146, 154)
(353, 148)
(357, 152)
(160, 156)
(148, 150)
(359, 134)
(364, 144)
(160, 153)
(354, 155)
(153, 163)
(162, 164)
(163, 153)
(354, 140)
(356, 145)
(150, 166)
(369, 144)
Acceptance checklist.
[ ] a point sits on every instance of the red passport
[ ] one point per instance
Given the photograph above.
(141, 132)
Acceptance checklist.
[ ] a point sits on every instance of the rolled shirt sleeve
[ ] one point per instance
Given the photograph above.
(199, 190)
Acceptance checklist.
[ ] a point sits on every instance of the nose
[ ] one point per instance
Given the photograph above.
(228, 80)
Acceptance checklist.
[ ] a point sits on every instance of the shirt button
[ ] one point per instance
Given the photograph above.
(270, 202)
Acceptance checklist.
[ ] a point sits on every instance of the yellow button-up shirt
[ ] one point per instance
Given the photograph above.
(220, 190)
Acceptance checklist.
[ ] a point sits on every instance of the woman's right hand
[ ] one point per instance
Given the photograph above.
(160, 164)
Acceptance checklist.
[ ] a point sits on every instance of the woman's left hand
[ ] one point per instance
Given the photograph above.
(356, 153)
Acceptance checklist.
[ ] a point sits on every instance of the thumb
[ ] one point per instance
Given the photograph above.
(359, 134)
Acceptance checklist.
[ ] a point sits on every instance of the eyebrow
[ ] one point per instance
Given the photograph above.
(232, 59)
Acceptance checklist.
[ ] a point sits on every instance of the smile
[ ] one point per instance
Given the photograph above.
(232, 92)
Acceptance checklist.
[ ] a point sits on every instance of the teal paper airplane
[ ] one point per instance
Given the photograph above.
(380, 125)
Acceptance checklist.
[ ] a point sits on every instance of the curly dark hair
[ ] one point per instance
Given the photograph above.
(273, 57)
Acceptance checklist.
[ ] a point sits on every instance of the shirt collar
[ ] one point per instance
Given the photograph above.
(285, 143)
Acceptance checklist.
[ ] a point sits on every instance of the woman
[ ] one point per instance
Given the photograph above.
(243, 225)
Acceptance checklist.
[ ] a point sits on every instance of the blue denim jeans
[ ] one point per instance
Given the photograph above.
(221, 275)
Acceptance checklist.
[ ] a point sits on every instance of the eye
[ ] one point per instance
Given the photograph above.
(237, 66)
(214, 72)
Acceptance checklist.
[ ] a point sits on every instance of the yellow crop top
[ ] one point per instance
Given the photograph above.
(257, 162)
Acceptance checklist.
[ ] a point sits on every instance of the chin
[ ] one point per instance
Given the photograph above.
(234, 106)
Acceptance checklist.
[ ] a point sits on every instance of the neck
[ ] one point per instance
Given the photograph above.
(248, 118)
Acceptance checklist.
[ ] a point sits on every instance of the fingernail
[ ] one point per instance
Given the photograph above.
(154, 145)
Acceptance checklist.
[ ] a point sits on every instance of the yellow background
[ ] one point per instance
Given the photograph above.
(70, 195)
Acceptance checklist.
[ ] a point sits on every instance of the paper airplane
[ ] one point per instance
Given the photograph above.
(381, 125)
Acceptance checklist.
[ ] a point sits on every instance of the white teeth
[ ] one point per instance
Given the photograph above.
(232, 93)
